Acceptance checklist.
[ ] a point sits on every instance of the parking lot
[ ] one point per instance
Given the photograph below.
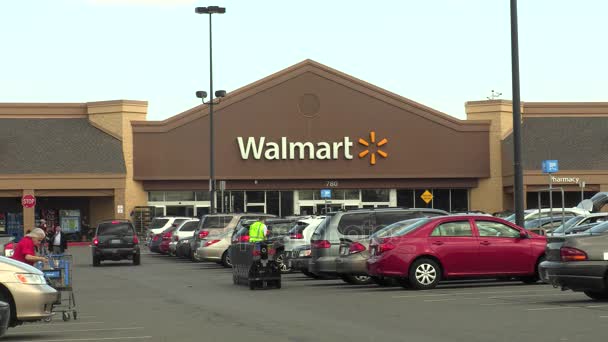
(166, 299)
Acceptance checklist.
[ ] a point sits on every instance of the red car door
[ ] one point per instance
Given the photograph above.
(457, 248)
(502, 250)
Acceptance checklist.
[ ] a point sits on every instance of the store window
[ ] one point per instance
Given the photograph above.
(255, 196)
(203, 196)
(381, 195)
(273, 203)
(156, 196)
(460, 200)
(351, 195)
(441, 199)
(405, 198)
(179, 196)
(306, 195)
(286, 203)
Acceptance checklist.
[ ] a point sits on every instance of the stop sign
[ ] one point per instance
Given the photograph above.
(28, 201)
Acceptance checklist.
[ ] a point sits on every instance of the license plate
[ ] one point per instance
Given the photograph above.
(115, 242)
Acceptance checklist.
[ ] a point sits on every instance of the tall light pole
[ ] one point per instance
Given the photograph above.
(211, 10)
(518, 181)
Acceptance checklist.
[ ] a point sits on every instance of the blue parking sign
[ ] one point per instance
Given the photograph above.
(550, 166)
(325, 193)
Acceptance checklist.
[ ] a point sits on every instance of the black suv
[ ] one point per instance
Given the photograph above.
(115, 240)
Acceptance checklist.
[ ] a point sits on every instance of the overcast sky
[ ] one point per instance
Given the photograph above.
(440, 53)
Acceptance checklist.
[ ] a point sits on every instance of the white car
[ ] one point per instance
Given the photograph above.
(300, 234)
(183, 231)
(532, 214)
(578, 221)
(160, 224)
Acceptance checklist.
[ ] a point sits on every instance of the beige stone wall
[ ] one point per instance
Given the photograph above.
(488, 196)
(114, 117)
(101, 208)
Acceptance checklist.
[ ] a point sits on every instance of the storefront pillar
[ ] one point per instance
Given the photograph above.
(29, 214)
(120, 210)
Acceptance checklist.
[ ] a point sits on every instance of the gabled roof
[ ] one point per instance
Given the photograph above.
(321, 70)
(52, 146)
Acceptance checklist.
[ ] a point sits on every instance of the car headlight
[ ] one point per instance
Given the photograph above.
(30, 278)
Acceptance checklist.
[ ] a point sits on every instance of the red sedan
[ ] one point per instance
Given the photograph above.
(421, 253)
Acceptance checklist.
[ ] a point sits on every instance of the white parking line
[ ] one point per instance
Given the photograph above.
(37, 326)
(555, 308)
(466, 293)
(596, 306)
(95, 339)
(439, 300)
(80, 330)
(533, 295)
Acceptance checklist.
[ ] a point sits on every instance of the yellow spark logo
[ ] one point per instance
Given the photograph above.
(372, 157)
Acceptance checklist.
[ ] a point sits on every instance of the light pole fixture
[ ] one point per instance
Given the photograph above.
(211, 10)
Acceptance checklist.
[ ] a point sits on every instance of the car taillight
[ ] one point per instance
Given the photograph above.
(211, 242)
(115, 222)
(95, 241)
(135, 239)
(384, 247)
(244, 238)
(203, 234)
(167, 236)
(155, 237)
(356, 247)
(572, 254)
(320, 244)
(297, 236)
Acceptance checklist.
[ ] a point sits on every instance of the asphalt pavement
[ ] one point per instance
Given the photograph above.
(166, 299)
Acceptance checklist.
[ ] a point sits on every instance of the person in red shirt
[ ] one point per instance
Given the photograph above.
(25, 251)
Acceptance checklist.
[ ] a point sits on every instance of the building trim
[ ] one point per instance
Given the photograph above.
(310, 66)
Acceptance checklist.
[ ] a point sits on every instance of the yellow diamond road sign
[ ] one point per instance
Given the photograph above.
(427, 197)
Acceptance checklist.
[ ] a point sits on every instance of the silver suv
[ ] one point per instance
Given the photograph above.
(353, 225)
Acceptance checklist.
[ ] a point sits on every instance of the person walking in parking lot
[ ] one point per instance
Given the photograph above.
(58, 243)
(258, 230)
(25, 249)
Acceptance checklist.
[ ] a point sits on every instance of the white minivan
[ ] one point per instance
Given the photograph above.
(160, 224)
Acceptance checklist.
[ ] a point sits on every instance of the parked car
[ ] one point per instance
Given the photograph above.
(423, 253)
(115, 240)
(183, 230)
(215, 248)
(165, 239)
(160, 224)
(183, 247)
(580, 220)
(298, 261)
(579, 229)
(278, 230)
(354, 250)
(217, 224)
(578, 263)
(26, 291)
(544, 225)
(300, 233)
(531, 214)
(353, 225)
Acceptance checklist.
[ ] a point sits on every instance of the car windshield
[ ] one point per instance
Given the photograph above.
(119, 228)
(571, 222)
(158, 223)
(600, 228)
(400, 228)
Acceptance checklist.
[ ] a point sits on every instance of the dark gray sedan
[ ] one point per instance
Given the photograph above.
(578, 263)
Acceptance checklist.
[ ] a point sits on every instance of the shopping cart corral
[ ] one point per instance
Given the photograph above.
(58, 272)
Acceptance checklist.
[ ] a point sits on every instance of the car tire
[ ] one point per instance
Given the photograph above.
(536, 277)
(277, 284)
(596, 295)
(137, 259)
(12, 311)
(357, 280)
(96, 262)
(226, 260)
(384, 282)
(424, 274)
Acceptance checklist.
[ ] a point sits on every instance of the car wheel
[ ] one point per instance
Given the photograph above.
(603, 296)
(424, 274)
(137, 259)
(277, 284)
(12, 311)
(384, 282)
(282, 265)
(96, 262)
(536, 277)
(357, 280)
(226, 260)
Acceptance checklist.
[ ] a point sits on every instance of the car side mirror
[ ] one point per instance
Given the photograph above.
(523, 234)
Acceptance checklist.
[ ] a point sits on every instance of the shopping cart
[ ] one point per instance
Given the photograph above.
(58, 272)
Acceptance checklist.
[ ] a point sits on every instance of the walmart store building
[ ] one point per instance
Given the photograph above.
(282, 139)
